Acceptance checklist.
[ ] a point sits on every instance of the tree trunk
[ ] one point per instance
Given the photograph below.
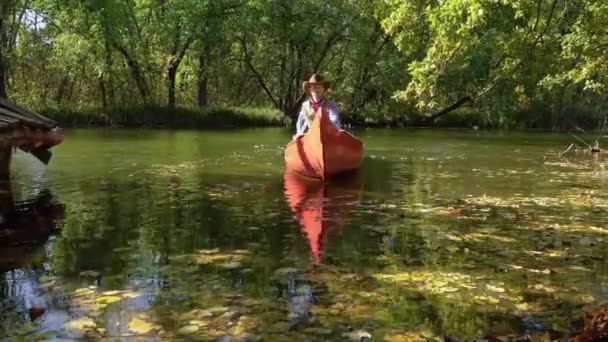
(108, 87)
(2, 77)
(3, 68)
(61, 90)
(137, 74)
(260, 80)
(363, 92)
(295, 109)
(173, 64)
(446, 110)
(171, 73)
(203, 99)
(103, 94)
(202, 80)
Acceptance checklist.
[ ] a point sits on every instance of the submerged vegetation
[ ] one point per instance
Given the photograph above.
(507, 63)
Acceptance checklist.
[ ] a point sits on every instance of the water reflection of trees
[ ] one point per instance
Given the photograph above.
(142, 226)
(132, 223)
(408, 255)
(26, 226)
(25, 230)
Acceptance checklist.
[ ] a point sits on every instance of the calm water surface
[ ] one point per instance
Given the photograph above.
(190, 235)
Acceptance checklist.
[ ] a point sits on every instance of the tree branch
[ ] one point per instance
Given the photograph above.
(258, 76)
(537, 15)
(450, 108)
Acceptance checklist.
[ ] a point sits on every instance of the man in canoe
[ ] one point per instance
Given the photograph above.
(315, 88)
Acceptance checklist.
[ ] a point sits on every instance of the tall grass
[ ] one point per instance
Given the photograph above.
(154, 116)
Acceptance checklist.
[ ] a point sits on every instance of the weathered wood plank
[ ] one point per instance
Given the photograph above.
(12, 110)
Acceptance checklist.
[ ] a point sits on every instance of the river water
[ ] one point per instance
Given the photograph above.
(199, 235)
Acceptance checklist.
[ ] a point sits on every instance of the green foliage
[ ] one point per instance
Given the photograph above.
(109, 54)
(510, 56)
(522, 63)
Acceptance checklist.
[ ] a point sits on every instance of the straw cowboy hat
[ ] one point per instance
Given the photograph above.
(315, 79)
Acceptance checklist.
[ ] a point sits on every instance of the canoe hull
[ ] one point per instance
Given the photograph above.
(324, 151)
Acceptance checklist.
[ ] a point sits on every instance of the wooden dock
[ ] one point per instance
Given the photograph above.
(29, 131)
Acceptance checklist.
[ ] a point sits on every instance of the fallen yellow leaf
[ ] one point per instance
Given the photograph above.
(140, 326)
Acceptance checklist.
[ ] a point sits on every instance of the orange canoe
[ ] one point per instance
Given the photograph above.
(324, 150)
(321, 208)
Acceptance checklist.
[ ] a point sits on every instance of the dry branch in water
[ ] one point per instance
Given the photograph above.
(568, 149)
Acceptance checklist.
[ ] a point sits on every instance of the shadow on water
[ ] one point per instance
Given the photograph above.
(376, 175)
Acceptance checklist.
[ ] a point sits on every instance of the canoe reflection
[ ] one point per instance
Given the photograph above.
(321, 208)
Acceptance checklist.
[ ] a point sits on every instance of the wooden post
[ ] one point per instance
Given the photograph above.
(6, 153)
(7, 202)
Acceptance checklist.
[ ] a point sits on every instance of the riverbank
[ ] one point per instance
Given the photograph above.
(156, 116)
(539, 120)
(240, 117)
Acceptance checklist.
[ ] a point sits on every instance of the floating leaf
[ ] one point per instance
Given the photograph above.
(406, 336)
(81, 324)
(84, 291)
(230, 265)
(218, 309)
(139, 326)
(107, 300)
(495, 288)
(111, 293)
(586, 299)
(188, 329)
(199, 323)
(579, 268)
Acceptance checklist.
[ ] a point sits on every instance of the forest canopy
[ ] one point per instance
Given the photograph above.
(500, 63)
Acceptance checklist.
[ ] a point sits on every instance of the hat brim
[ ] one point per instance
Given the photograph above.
(307, 84)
